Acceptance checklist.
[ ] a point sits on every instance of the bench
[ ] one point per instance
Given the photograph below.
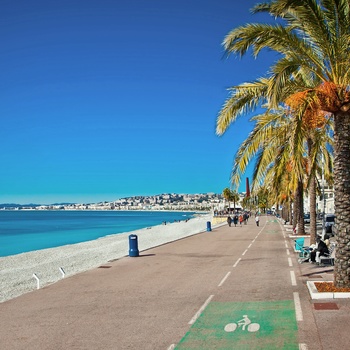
(328, 259)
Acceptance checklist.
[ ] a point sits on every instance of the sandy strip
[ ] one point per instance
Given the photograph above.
(16, 271)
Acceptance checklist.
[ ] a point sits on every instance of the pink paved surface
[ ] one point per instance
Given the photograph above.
(147, 302)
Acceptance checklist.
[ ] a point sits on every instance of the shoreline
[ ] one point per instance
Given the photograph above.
(16, 271)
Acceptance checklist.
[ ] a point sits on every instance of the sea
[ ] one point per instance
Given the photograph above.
(23, 231)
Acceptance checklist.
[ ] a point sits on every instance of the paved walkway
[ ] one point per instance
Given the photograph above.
(232, 288)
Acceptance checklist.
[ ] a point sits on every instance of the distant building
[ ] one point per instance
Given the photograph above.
(327, 205)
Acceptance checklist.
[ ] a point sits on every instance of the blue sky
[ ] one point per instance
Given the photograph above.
(103, 99)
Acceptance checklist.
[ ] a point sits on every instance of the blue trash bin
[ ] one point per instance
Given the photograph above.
(208, 226)
(133, 246)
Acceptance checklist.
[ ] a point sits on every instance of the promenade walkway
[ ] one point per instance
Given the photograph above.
(231, 288)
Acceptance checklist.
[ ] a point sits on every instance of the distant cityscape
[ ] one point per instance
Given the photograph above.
(168, 201)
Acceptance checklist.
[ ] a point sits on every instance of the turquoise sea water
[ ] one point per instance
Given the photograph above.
(24, 231)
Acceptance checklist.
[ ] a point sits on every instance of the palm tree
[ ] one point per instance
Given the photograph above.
(270, 143)
(234, 199)
(230, 196)
(313, 41)
(264, 137)
(247, 203)
(227, 195)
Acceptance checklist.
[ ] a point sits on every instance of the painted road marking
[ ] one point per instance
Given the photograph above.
(249, 325)
(293, 279)
(297, 304)
(194, 318)
(302, 346)
(286, 244)
(236, 263)
(290, 263)
(224, 279)
(244, 252)
(287, 251)
(272, 231)
(171, 347)
(250, 245)
(245, 323)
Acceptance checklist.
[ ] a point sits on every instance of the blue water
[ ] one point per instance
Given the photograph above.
(25, 231)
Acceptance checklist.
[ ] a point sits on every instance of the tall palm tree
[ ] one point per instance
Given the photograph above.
(271, 141)
(265, 134)
(234, 198)
(312, 39)
(230, 196)
(227, 195)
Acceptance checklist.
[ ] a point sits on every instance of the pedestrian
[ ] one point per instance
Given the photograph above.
(320, 249)
(235, 220)
(257, 220)
(229, 220)
(240, 219)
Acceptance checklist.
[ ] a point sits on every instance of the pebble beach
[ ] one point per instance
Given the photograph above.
(51, 265)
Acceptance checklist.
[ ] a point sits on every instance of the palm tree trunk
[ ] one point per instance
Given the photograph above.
(295, 210)
(300, 218)
(298, 212)
(312, 194)
(342, 198)
(287, 211)
(282, 212)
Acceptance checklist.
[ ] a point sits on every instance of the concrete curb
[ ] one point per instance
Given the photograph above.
(317, 295)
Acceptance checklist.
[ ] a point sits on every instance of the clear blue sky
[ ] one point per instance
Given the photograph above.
(102, 99)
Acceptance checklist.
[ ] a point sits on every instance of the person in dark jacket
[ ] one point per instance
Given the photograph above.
(229, 220)
(235, 220)
(321, 248)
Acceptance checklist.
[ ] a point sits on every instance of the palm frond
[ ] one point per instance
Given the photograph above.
(244, 98)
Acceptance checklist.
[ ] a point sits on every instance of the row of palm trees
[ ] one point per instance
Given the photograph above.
(303, 130)
(258, 202)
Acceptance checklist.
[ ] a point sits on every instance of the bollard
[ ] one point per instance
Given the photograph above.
(208, 226)
(133, 246)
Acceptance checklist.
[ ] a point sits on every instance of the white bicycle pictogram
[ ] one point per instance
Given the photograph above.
(245, 322)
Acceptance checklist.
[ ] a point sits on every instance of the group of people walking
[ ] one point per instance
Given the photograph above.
(241, 219)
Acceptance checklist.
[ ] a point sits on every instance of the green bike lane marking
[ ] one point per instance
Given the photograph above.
(248, 325)
(269, 229)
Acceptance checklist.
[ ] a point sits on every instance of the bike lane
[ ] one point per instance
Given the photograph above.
(219, 327)
(248, 323)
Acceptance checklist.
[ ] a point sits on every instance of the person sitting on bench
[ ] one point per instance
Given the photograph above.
(321, 249)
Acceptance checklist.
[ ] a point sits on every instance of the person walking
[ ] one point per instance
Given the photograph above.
(245, 218)
(229, 220)
(257, 220)
(235, 220)
(240, 219)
